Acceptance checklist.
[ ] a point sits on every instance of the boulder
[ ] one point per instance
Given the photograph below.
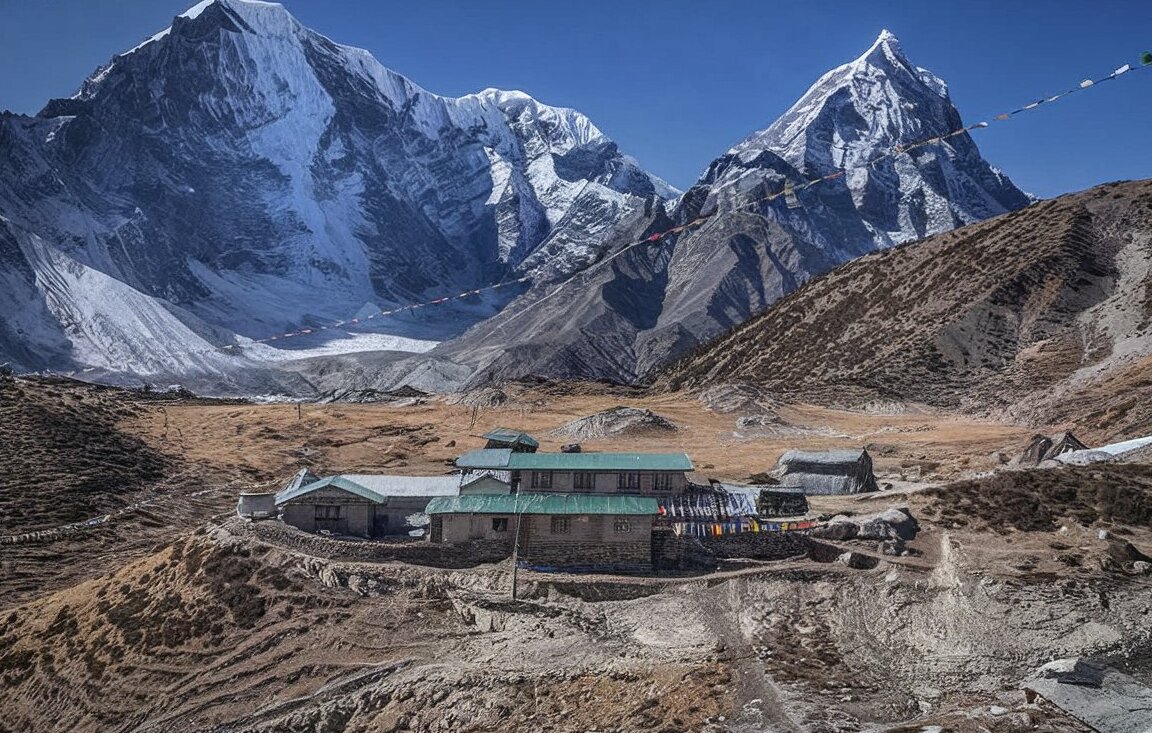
(892, 524)
(617, 421)
(836, 530)
(857, 561)
(1101, 697)
(892, 548)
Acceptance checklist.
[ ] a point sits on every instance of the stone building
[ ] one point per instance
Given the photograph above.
(363, 504)
(573, 531)
(644, 474)
(513, 440)
(590, 511)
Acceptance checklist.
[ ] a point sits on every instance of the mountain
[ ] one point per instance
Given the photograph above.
(1044, 315)
(238, 175)
(622, 319)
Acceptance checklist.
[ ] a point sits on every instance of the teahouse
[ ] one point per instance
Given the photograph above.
(363, 504)
(590, 511)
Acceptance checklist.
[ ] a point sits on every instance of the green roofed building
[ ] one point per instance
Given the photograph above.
(572, 531)
(573, 510)
(513, 440)
(646, 474)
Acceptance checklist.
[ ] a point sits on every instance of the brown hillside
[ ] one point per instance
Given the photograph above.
(61, 437)
(1014, 314)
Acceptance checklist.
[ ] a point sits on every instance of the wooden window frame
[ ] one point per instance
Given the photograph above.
(583, 481)
(499, 524)
(561, 525)
(628, 481)
(541, 479)
(661, 482)
(326, 512)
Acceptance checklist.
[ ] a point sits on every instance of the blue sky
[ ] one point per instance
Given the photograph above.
(677, 82)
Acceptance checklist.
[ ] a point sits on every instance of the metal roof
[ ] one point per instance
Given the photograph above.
(303, 477)
(407, 485)
(337, 481)
(601, 461)
(504, 458)
(542, 504)
(485, 458)
(508, 435)
(827, 457)
(378, 488)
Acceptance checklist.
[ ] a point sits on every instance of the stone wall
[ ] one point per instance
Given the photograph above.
(409, 550)
(673, 553)
(592, 541)
(459, 528)
(759, 545)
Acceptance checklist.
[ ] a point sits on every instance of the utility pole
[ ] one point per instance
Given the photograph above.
(516, 540)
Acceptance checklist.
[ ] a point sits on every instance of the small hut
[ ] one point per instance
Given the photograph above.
(826, 472)
(1043, 448)
(256, 505)
(513, 440)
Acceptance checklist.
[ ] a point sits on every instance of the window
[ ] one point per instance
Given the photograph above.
(628, 481)
(324, 511)
(561, 525)
(662, 481)
(622, 524)
(583, 481)
(541, 479)
(500, 524)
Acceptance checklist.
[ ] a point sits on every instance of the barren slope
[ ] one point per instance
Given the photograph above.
(1016, 314)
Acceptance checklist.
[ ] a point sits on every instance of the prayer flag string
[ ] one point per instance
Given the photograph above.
(788, 192)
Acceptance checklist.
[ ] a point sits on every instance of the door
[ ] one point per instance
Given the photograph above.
(379, 524)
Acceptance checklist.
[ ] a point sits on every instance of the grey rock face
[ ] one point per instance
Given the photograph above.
(617, 421)
(239, 175)
(623, 319)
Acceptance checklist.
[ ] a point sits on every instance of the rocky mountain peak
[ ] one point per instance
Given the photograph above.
(851, 113)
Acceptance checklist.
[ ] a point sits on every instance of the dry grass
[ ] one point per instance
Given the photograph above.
(267, 442)
(63, 457)
(986, 318)
(1038, 500)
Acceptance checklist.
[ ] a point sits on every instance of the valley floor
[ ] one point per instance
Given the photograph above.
(172, 616)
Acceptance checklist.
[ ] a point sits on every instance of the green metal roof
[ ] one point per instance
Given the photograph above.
(496, 458)
(600, 461)
(508, 435)
(337, 481)
(505, 459)
(542, 504)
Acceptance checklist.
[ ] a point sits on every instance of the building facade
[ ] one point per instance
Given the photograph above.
(592, 511)
(364, 505)
(555, 530)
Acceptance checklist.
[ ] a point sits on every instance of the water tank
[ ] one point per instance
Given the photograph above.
(256, 505)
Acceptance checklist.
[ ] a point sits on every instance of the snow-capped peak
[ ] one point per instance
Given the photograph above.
(886, 43)
(867, 105)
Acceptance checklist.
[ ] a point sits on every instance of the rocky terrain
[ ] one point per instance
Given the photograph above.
(172, 616)
(1043, 315)
(623, 318)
